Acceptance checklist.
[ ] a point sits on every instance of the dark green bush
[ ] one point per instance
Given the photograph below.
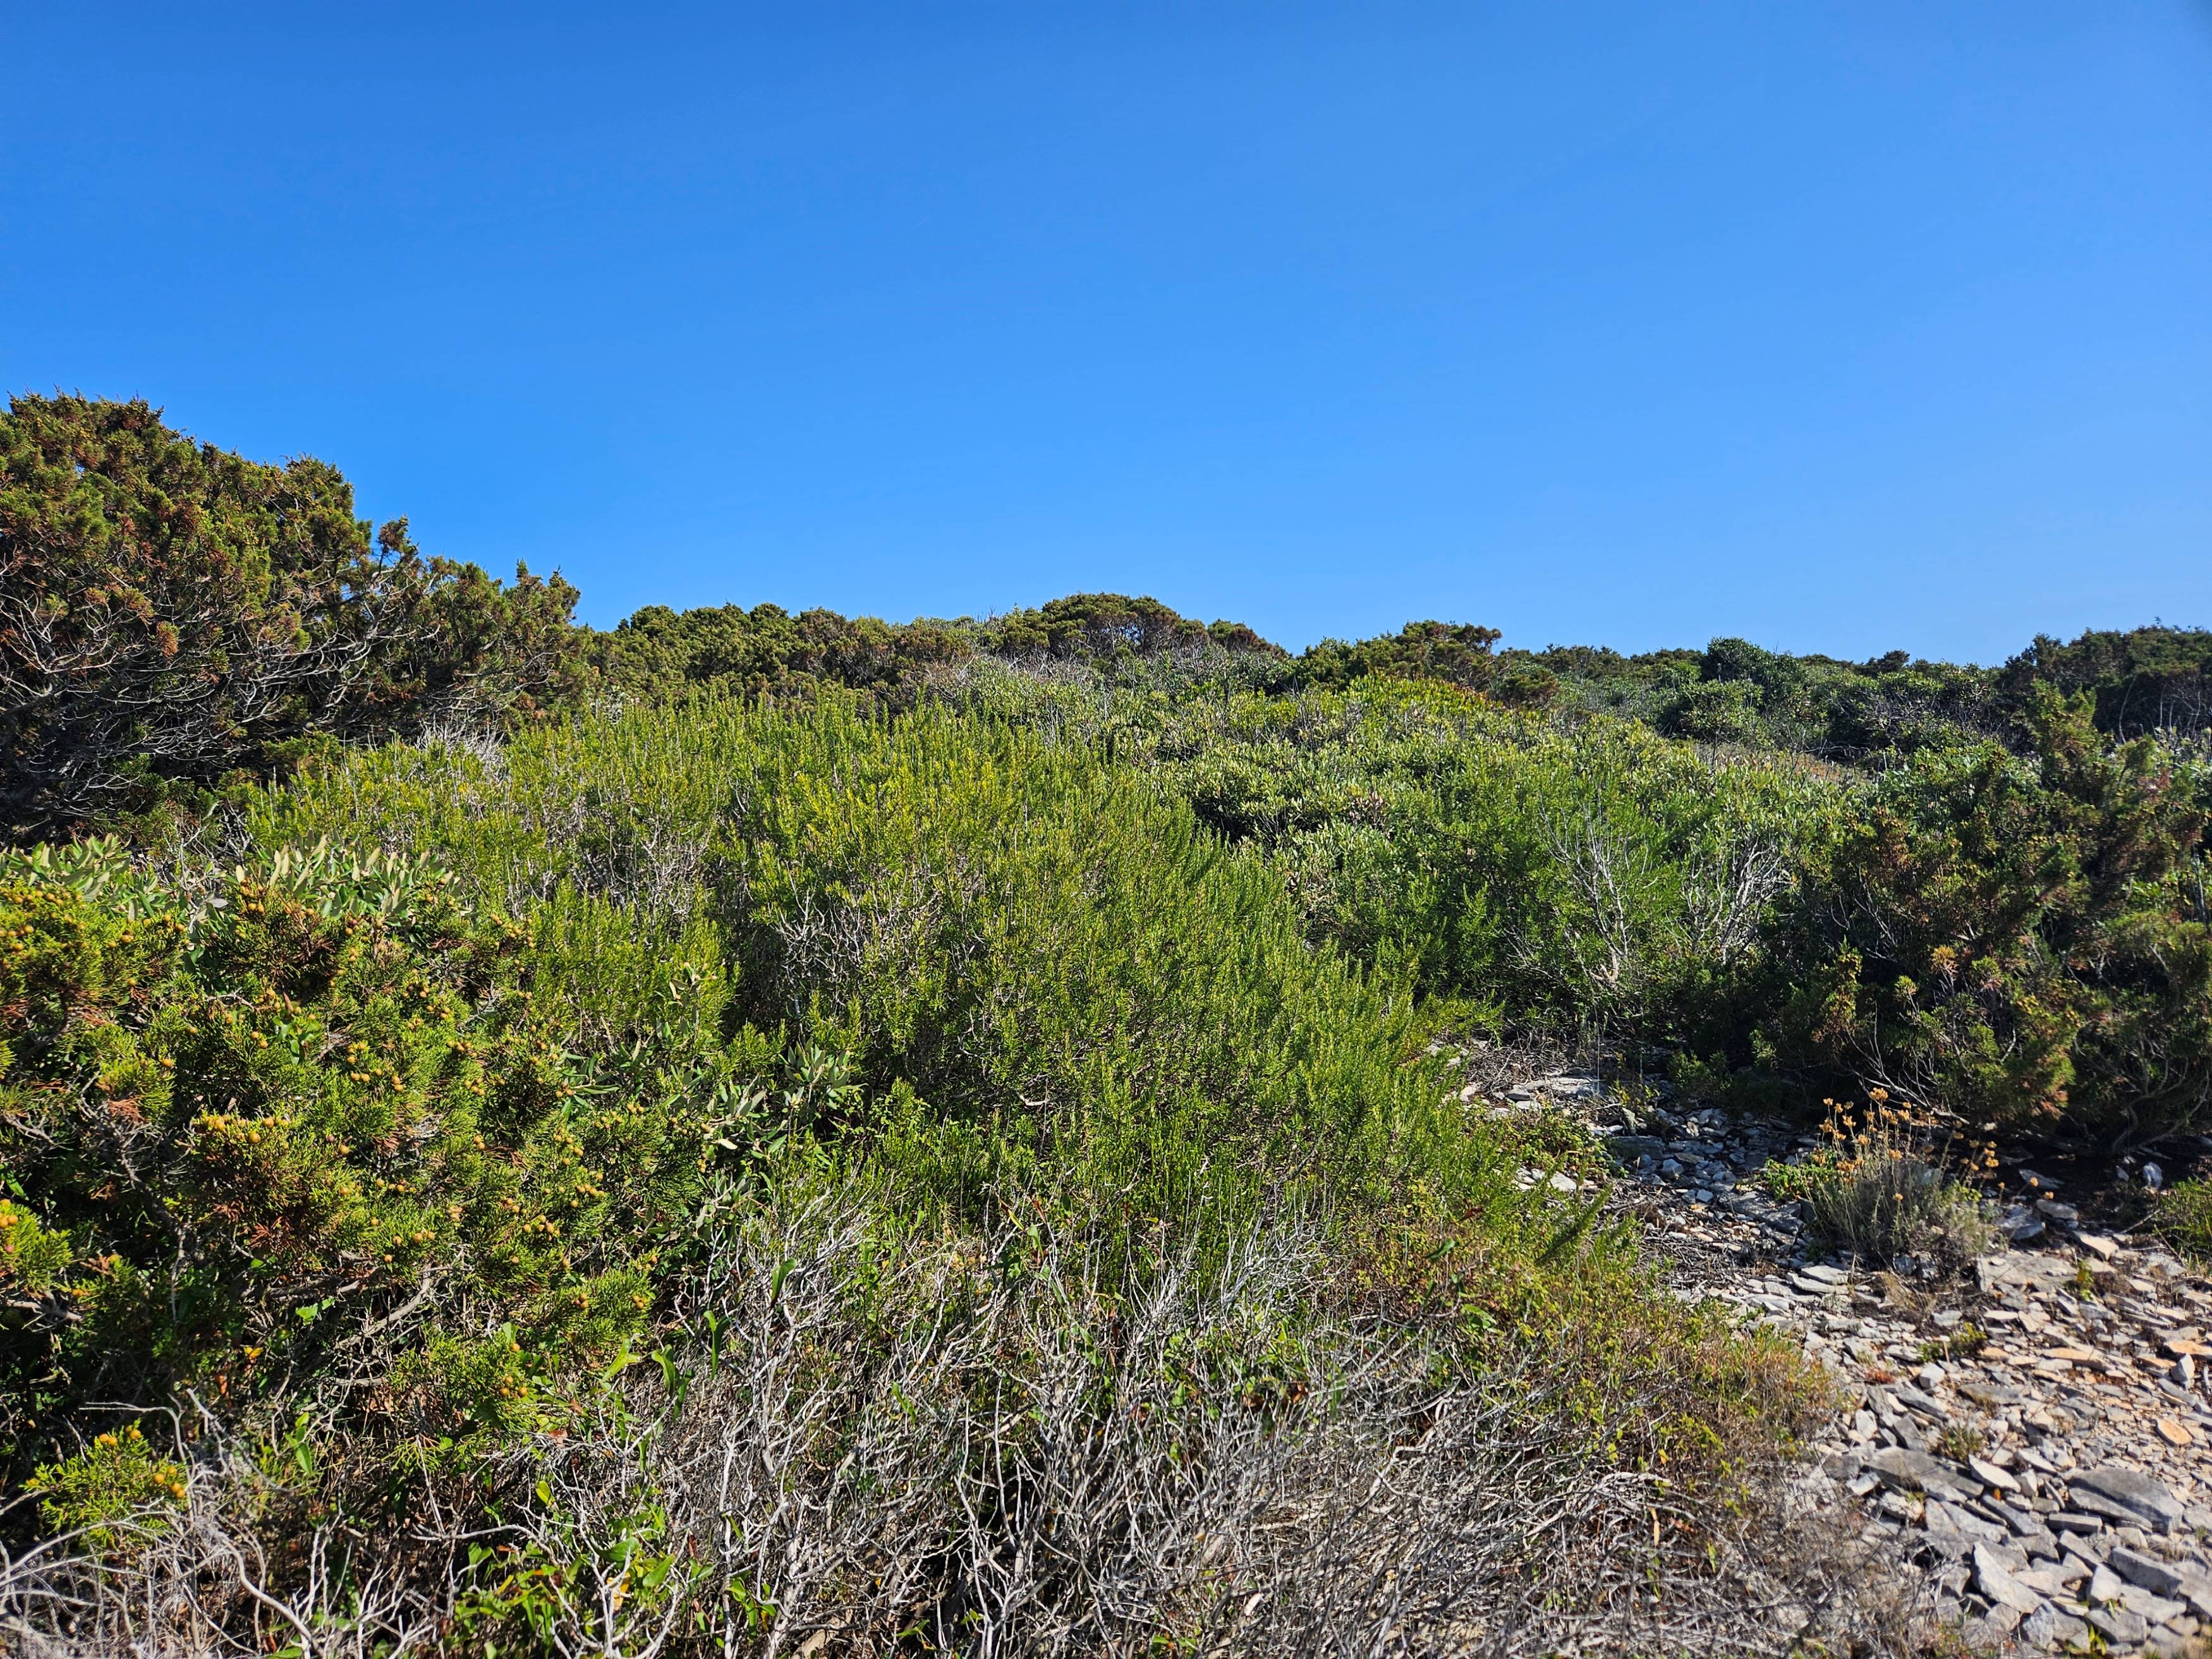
(768, 652)
(729, 651)
(2143, 681)
(171, 615)
(1092, 626)
(2021, 940)
(1451, 654)
(1716, 711)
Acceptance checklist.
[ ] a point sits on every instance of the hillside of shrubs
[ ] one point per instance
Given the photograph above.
(757, 1133)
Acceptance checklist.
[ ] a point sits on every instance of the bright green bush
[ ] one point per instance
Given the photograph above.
(1511, 869)
(1715, 711)
(1449, 653)
(767, 652)
(245, 1120)
(33, 1258)
(1019, 948)
(114, 1490)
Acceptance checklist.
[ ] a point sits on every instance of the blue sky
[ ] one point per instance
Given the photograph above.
(1842, 327)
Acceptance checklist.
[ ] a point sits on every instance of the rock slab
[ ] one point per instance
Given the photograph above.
(2138, 1497)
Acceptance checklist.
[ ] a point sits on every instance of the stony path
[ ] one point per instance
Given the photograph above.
(2031, 1444)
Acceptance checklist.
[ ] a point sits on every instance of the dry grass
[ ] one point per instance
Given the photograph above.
(969, 1443)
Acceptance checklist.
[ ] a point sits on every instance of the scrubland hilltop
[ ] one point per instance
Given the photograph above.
(749, 1132)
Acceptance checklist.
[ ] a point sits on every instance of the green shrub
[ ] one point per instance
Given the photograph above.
(1451, 654)
(768, 652)
(2019, 941)
(1091, 627)
(1715, 711)
(246, 1121)
(35, 1259)
(111, 1494)
(2144, 681)
(1514, 870)
(1024, 955)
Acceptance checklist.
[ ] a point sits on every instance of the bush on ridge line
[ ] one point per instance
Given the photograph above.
(175, 619)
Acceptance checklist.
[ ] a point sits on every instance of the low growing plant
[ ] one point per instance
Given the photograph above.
(2183, 1217)
(1884, 1185)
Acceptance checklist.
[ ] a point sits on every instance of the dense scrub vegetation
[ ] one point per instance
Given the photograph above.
(172, 617)
(2021, 938)
(392, 1159)
(746, 1129)
(1520, 873)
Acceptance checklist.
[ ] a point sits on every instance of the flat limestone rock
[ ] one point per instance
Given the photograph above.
(2155, 1576)
(2101, 1507)
(2049, 1581)
(2047, 1627)
(1972, 1527)
(2139, 1496)
(1943, 1537)
(1987, 1633)
(1913, 1399)
(1816, 1287)
(2120, 1625)
(1996, 1581)
(2032, 1270)
(1569, 1085)
(1903, 1469)
(1990, 1475)
(2196, 1588)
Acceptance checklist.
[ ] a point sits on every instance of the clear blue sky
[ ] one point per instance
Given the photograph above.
(1841, 326)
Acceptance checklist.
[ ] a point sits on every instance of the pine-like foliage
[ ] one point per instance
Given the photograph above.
(171, 614)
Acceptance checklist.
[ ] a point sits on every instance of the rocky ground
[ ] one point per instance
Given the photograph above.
(2029, 1443)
